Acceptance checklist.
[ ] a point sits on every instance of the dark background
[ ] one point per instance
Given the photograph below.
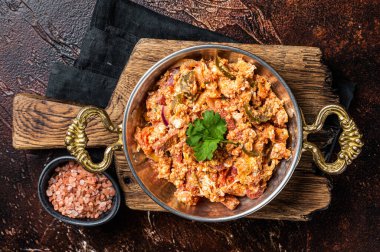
(33, 34)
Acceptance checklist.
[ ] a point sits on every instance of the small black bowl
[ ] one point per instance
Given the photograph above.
(46, 174)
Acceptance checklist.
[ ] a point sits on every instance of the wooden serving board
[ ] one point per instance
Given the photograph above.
(41, 123)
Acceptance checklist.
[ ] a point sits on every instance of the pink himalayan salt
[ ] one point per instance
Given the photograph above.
(77, 193)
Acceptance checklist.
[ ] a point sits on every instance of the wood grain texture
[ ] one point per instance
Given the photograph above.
(40, 123)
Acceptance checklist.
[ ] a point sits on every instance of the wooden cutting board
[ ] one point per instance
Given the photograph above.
(41, 123)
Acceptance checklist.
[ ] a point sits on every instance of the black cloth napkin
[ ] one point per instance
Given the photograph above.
(115, 28)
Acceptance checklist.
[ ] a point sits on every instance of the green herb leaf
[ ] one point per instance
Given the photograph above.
(206, 150)
(205, 134)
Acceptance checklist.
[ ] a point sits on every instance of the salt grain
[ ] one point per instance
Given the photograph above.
(76, 193)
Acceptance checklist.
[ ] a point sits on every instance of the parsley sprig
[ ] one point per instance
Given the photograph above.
(204, 135)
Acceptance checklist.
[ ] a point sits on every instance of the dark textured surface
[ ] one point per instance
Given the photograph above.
(33, 34)
(115, 27)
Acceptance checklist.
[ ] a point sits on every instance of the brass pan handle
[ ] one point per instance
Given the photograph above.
(349, 140)
(76, 139)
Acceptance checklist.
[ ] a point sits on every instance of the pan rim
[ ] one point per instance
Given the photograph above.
(295, 159)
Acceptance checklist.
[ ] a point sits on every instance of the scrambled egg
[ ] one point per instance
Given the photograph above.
(255, 118)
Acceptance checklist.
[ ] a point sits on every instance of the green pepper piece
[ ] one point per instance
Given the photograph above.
(178, 99)
(195, 97)
(250, 153)
(230, 142)
(252, 83)
(255, 119)
(223, 69)
(185, 82)
(268, 148)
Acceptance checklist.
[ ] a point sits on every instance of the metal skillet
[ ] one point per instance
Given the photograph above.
(162, 191)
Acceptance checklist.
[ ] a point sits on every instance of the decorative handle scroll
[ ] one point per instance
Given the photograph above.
(349, 140)
(76, 139)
